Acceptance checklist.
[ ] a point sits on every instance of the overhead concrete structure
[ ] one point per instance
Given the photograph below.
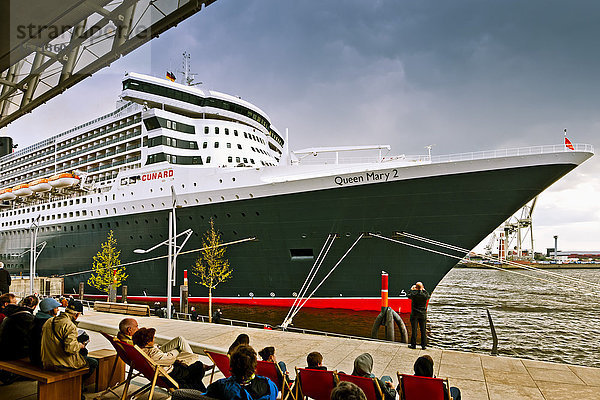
(47, 46)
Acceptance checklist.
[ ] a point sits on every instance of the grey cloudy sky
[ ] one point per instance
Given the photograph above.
(465, 75)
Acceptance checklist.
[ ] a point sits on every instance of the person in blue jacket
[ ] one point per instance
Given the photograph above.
(243, 384)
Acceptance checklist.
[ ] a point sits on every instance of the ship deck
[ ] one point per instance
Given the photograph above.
(479, 376)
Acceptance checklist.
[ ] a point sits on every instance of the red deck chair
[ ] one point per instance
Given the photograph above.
(221, 361)
(420, 387)
(272, 371)
(123, 356)
(314, 383)
(368, 385)
(148, 368)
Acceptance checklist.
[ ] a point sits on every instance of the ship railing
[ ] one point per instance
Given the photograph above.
(331, 157)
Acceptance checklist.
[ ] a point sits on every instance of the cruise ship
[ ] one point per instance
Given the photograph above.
(318, 212)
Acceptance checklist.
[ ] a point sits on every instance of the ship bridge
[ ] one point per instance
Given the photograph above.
(47, 46)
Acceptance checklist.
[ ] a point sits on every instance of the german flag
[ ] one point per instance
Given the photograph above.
(171, 76)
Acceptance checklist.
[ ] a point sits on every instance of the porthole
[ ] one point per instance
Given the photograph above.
(222, 198)
(233, 179)
(243, 214)
(228, 215)
(237, 196)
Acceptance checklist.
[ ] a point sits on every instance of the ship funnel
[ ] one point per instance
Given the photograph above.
(6, 145)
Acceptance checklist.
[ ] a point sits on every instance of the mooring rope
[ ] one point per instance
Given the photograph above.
(475, 262)
(513, 263)
(309, 278)
(326, 276)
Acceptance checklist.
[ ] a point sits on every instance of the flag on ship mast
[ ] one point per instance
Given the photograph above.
(568, 143)
(171, 76)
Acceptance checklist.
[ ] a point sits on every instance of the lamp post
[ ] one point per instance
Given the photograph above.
(173, 251)
(34, 253)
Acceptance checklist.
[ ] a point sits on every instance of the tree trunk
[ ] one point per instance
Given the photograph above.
(210, 305)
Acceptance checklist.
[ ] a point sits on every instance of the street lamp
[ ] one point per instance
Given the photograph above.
(34, 253)
(174, 249)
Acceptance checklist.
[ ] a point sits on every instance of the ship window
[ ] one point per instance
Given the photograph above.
(71, 214)
(216, 130)
(206, 129)
(245, 160)
(237, 159)
(227, 131)
(235, 132)
(245, 135)
(216, 145)
(252, 160)
(207, 160)
(228, 145)
(84, 213)
(229, 159)
(301, 254)
(77, 213)
(204, 145)
(83, 200)
(239, 146)
(174, 125)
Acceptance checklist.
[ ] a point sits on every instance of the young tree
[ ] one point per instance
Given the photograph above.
(212, 267)
(107, 271)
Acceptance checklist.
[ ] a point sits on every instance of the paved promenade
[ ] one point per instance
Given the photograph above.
(479, 376)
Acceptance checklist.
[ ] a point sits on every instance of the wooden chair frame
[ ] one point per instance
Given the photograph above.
(362, 382)
(273, 372)
(401, 387)
(298, 384)
(123, 356)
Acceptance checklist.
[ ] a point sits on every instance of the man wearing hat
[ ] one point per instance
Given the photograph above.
(48, 309)
(60, 349)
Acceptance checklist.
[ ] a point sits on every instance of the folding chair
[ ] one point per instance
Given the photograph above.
(221, 360)
(314, 383)
(421, 387)
(123, 356)
(148, 368)
(368, 385)
(272, 371)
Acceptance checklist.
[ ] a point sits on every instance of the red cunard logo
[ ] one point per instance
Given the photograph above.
(157, 175)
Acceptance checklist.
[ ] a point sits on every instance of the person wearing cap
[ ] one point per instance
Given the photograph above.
(15, 329)
(4, 279)
(363, 366)
(60, 349)
(48, 309)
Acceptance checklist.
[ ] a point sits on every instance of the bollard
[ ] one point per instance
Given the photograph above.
(112, 294)
(183, 299)
(387, 316)
(124, 294)
(81, 287)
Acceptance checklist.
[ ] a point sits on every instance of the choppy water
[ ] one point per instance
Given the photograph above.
(533, 319)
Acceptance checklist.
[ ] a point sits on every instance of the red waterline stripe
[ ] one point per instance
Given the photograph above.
(347, 303)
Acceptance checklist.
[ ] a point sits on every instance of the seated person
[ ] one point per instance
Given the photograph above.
(48, 309)
(424, 367)
(127, 327)
(241, 339)
(6, 300)
(268, 354)
(347, 391)
(315, 361)
(15, 329)
(60, 349)
(176, 356)
(363, 365)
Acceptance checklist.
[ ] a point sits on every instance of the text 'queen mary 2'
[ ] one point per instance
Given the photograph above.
(225, 160)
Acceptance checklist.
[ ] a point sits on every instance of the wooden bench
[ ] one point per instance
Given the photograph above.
(104, 377)
(142, 310)
(64, 385)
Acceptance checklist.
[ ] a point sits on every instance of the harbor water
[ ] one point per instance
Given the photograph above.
(534, 319)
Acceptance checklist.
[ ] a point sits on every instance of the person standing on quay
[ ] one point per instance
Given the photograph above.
(418, 315)
(4, 279)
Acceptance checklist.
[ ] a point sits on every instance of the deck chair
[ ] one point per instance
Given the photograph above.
(421, 387)
(314, 383)
(123, 356)
(148, 368)
(272, 371)
(221, 361)
(368, 385)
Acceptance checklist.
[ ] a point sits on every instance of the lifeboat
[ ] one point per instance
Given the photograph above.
(7, 194)
(22, 190)
(63, 180)
(40, 185)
